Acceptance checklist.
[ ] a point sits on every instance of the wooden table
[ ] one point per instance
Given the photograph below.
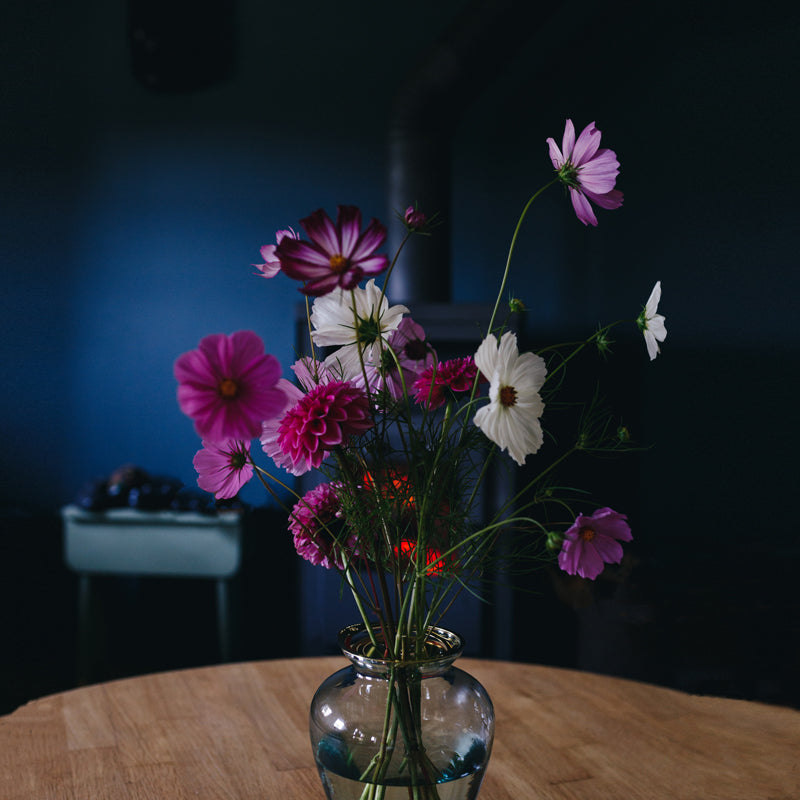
(239, 732)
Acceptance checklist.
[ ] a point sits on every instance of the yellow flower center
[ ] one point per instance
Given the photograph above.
(228, 388)
(508, 396)
(587, 534)
(339, 263)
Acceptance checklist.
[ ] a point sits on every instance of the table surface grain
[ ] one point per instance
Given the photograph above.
(239, 732)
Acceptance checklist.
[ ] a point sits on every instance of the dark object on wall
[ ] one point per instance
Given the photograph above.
(426, 110)
(180, 45)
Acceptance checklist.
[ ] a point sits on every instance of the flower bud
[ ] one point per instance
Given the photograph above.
(554, 541)
(414, 219)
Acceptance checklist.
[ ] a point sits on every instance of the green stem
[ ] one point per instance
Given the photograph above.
(511, 251)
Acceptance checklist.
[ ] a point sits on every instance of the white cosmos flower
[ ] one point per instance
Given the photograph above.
(333, 319)
(651, 324)
(511, 419)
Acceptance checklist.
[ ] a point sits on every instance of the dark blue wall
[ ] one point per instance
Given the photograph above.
(131, 218)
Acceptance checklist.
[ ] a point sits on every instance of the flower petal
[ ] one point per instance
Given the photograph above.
(583, 208)
(568, 141)
(348, 223)
(322, 232)
(586, 146)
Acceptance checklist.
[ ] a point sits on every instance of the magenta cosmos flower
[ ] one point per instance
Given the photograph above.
(272, 265)
(594, 541)
(223, 468)
(228, 386)
(316, 526)
(325, 417)
(590, 173)
(338, 255)
(435, 383)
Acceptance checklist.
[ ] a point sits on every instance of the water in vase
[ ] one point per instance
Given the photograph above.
(460, 780)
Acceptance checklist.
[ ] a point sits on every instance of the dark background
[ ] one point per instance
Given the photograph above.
(139, 184)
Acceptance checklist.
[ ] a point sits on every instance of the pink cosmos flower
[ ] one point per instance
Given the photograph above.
(589, 172)
(228, 386)
(433, 385)
(223, 468)
(309, 372)
(338, 255)
(325, 417)
(316, 523)
(594, 541)
(272, 265)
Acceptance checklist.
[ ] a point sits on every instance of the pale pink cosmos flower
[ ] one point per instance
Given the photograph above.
(224, 467)
(228, 386)
(412, 353)
(272, 265)
(324, 418)
(309, 372)
(589, 172)
(338, 255)
(592, 542)
(316, 525)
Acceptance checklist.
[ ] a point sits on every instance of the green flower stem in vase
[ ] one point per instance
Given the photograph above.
(384, 729)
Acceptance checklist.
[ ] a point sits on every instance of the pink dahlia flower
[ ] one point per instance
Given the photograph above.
(228, 386)
(271, 427)
(594, 541)
(316, 525)
(325, 417)
(272, 265)
(434, 384)
(223, 468)
(589, 172)
(338, 255)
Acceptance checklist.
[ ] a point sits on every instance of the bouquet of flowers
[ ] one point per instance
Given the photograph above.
(404, 441)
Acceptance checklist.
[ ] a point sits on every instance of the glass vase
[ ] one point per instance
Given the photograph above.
(417, 729)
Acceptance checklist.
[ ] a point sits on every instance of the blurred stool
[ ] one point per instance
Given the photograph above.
(125, 541)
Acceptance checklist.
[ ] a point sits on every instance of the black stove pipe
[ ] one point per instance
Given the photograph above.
(425, 114)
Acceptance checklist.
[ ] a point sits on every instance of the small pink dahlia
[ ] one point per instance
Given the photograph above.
(594, 541)
(228, 386)
(223, 468)
(318, 529)
(589, 172)
(456, 375)
(272, 265)
(338, 255)
(325, 417)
